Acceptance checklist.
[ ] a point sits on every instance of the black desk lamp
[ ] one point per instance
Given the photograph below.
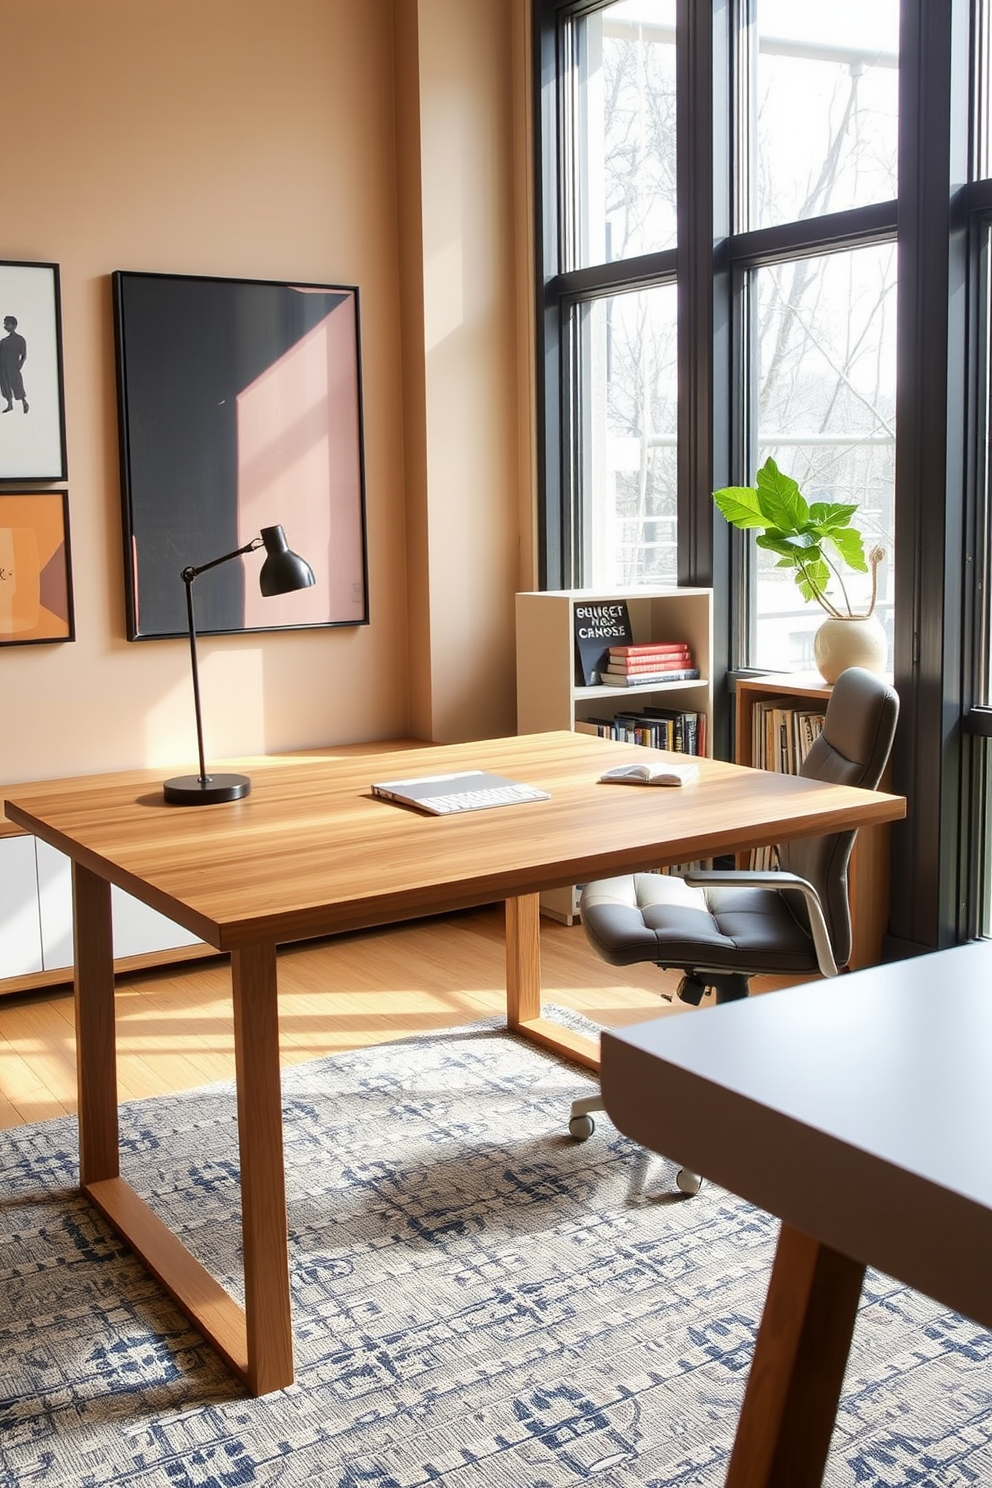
(282, 572)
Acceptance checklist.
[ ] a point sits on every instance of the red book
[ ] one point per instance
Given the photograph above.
(670, 663)
(650, 648)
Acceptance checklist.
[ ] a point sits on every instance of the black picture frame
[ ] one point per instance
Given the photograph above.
(240, 407)
(35, 569)
(32, 399)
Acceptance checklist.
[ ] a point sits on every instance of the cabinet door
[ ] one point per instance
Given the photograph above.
(20, 930)
(138, 929)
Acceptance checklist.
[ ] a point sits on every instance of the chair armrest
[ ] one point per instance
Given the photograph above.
(741, 878)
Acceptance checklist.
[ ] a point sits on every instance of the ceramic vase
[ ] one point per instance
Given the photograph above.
(846, 642)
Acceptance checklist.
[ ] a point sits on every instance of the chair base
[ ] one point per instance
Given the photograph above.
(728, 986)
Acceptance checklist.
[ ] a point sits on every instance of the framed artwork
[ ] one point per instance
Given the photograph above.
(32, 415)
(240, 408)
(35, 574)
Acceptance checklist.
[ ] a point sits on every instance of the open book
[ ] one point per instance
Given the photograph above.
(651, 772)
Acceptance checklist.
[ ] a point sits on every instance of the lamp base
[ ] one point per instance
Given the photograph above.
(191, 790)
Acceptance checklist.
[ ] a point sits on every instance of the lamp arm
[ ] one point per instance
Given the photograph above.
(189, 574)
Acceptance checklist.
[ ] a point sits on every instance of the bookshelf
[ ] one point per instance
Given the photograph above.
(792, 697)
(551, 695)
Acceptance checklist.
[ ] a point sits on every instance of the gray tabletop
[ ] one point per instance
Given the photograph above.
(859, 1110)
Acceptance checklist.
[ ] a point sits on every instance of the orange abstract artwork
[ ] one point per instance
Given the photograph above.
(35, 593)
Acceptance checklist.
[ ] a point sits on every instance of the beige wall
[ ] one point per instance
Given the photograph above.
(243, 138)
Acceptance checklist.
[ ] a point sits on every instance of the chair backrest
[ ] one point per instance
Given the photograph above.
(853, 749)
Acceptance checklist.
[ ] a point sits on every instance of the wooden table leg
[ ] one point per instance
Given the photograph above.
(523, 959)
(523, 987)
(790, 1403)
(96, 1043)
(263, 1181)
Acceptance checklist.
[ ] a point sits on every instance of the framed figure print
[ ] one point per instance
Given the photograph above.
(35, 574)
(32, 416)
(240, 408)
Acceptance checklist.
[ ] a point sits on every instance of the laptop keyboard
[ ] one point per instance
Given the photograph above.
(475, 800)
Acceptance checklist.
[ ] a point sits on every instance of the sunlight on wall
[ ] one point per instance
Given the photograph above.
(232, 692)
(444, 299)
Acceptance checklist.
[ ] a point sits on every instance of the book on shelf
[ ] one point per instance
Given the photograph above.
(648, 668)
(659, 660)
(647, 678)
(597, 626)
(642, 650)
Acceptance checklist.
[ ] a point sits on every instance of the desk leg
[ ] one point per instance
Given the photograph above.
(523, 987)
(96, 1046)
(790, 1403)
(263, 1181)
(523, 959)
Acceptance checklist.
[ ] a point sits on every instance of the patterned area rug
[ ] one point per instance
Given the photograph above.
(478, 1302)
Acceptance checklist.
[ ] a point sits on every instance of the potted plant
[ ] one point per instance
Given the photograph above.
(816, 540)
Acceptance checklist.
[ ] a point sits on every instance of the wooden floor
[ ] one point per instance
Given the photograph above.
(174, 1025)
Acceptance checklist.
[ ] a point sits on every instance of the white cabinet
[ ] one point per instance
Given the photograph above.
(551, 695)
(138, 929)
(54, 905)
(20, 928)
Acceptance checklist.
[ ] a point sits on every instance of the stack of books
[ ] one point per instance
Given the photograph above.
(647, 663)
(658, 728)
(782, 734)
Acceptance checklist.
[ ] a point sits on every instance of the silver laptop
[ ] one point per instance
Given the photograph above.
(468, 790)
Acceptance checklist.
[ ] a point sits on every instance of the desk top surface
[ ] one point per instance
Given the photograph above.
(857, 1109)
(311, 850)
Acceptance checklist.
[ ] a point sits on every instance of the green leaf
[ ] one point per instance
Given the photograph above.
(780, 499)
(739, 504)
(828, 514)
(850, 547)
(798, 548)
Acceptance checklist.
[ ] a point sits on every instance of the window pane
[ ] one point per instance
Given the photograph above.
(823, 109)
(825, 342)
(623, 189)
(981, 124)
(625, 459)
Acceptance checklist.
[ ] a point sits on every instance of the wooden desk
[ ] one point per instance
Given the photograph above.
(310, 852)
(859, 1112)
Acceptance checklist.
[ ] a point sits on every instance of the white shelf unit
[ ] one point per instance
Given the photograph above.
(549, 696)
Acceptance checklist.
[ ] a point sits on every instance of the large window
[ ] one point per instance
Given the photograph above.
(809, 137)
(761, 231)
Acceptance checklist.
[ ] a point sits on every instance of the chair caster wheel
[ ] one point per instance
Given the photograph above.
(581, 1128)
(689, 1183)
(691, 990)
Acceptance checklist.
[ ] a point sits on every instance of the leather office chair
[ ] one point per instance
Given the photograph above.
(721, 928)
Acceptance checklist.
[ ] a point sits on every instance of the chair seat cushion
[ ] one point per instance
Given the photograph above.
(658, 917)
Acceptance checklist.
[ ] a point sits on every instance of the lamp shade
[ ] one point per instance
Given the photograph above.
(283, 570)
